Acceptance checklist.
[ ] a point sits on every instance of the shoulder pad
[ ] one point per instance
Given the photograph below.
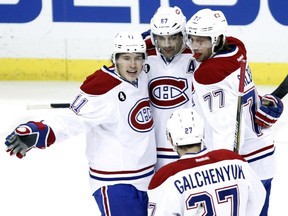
(99, 83)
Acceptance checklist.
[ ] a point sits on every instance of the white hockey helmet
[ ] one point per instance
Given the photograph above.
(185, 127)
(167, 21)
(128, 42)
(207, 23)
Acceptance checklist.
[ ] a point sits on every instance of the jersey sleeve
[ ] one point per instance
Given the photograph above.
(87, 111)
(162, 203)
(94, 105)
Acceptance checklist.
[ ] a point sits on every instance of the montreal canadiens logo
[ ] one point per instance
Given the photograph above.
(140, 117)
(168, 92)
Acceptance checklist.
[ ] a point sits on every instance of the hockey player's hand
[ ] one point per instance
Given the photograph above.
(269, 112)
(147, 38)
(27, 136)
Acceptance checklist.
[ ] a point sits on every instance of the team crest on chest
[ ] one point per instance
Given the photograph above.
(168, 92)
(140, 117)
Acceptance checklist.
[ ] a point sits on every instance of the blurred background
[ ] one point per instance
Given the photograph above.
(67, 40)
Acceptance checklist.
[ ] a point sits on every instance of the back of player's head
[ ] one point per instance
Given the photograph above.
(185, 127)
(128, 42)
(207, 23)
(167, 21)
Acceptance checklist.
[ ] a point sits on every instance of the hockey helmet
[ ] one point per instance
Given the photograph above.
(128, 42)
(185, 127)
(208, 23)
(167, 21)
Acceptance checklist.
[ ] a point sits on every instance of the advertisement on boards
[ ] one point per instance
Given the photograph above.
(68, 39)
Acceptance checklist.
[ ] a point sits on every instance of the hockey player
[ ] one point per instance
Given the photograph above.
(218, 182)
(113, 110)
(169, 66)
(216, 82)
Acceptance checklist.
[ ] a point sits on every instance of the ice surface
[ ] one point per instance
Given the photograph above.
(55, 181)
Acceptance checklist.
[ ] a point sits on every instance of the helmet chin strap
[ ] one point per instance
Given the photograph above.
(218, 41)
(213, 53)
(175, 148)
(116, 69)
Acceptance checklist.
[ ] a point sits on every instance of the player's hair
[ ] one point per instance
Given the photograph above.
(223, 46)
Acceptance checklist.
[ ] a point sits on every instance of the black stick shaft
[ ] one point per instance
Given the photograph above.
(282, 89)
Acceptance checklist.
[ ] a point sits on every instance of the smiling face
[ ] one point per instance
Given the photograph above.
(201, 47)
(169, 45)
(129, 65)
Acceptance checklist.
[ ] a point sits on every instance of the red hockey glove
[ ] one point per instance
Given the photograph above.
(269, 112)
(27, 136)
(147, 38)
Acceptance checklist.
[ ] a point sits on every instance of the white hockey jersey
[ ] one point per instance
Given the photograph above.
(170, 88)
(215, 84)
(219, 182)
(116, 118)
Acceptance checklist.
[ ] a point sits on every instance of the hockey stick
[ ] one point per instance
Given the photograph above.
(239, 105)
(48, 106)
(282, 89)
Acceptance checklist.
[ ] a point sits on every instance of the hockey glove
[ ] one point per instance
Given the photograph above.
(269, 112)
(27, 136)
